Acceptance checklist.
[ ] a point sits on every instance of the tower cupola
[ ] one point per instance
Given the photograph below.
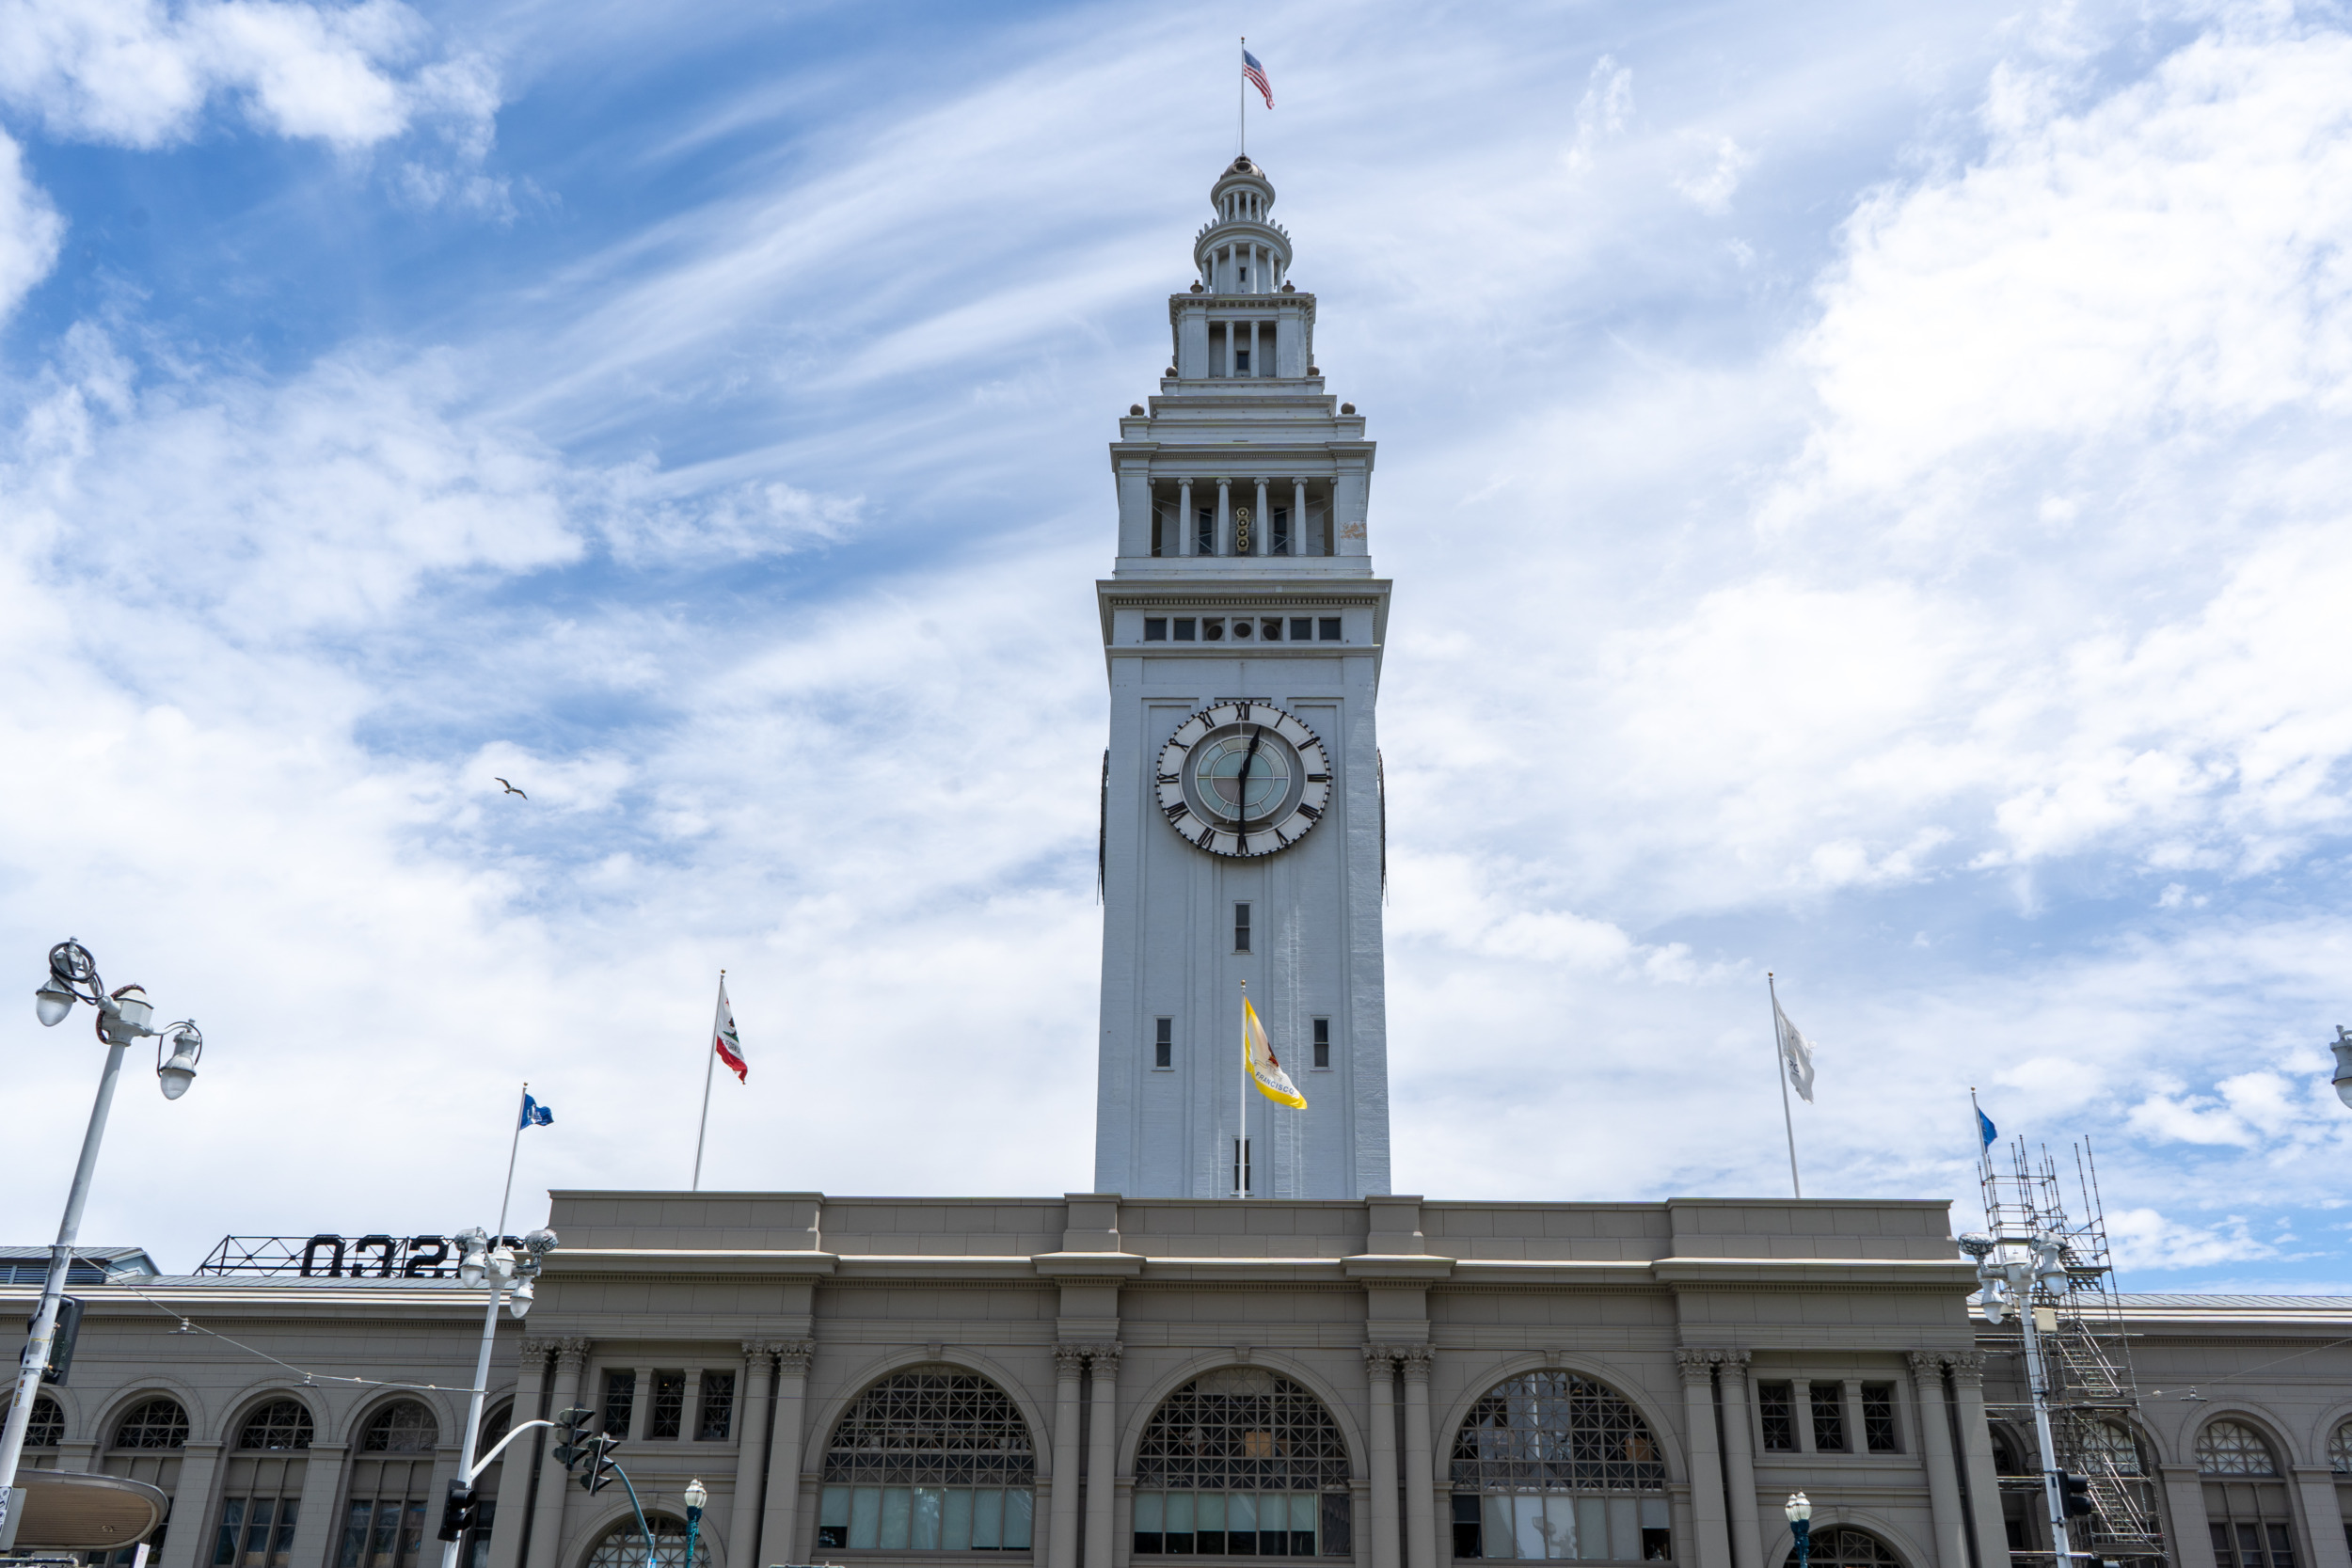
(1242, 250)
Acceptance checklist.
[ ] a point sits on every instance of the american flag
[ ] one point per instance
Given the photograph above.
(1254, 74)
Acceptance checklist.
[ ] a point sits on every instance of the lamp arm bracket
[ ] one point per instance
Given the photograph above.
(483, 1462)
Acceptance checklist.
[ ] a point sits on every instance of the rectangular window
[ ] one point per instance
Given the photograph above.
(1240, 928)
(1241, 356)
(1204, 531)
(668, 1414)
(1327, 629)
(1878, 1418)
(1163, 1042)
(717, 1416)
(1184, 628)
(1323, 1042)
(620, 1396)
(1280, 541)
(255, 1532)
(1619, 1529)
(1241, 1178)
(1829, 1417)
(925, 1519)
(1302, 628)
(1155, 628)
(1775, 1404)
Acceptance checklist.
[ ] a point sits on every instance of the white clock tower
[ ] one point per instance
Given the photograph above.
(1243, 838)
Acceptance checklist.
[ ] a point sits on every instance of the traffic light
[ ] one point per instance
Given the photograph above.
(460, 1513)
(571, 1447)
(61, 1341)
(2074, 1496)
(599, 1473)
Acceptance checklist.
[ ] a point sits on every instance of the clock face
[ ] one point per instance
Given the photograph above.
(1242, 778)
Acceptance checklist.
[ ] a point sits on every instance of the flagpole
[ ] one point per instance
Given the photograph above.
(1241, 105)
(710, 1064)
(1241, 1105)
(1975, 1135)
(1780, 1070)
(514, 1148)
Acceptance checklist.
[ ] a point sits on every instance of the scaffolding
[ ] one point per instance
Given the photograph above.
(2093, 1399)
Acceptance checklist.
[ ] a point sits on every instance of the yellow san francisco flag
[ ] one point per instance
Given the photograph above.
(1257, 1054)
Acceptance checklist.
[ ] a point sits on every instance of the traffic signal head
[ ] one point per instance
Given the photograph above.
(569, 1448)
(597, 1451)
(2074, 1496)
(460, 1513)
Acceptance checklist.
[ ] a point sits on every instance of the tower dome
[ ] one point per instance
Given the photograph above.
(1242, 250)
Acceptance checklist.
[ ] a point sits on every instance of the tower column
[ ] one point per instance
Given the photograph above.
(1747, 1538)
(751, 1451)
(1983, 1481)
(780, 1526)
(1421, 1468)
(1061, 1550)
(1225, 507)
(1298, 516)
(1102, 1462)
(1185, 527)
(546, 1510)
(1261, 543)
(1935, 1441)
(1713, 1545)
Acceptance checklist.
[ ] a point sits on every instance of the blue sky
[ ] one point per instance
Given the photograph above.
(1865, 485)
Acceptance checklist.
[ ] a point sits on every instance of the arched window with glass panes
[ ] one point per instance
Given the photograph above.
(931, 1459)
(261, 1489)
(2340, 1466)
(1553, 1464)
(1844, 1546)
(145, 1445)
(2247, 1507)
(1242, 1462)
(46, 1430)
(622, 1548)
(390, 1488)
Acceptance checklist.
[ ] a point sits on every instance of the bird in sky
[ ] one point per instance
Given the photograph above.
(510, 788)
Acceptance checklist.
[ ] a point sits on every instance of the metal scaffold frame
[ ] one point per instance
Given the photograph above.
(2070, 1321)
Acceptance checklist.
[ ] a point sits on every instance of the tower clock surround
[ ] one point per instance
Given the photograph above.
(1242, 631)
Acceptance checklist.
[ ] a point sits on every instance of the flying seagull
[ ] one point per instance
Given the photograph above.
(510, 788)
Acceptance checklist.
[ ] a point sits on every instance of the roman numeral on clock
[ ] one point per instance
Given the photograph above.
(1168, 778)
(1176, 812)
(1311, 814)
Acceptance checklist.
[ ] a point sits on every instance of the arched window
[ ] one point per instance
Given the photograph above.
(279, 1424)
(152, 1424)
(402, 1427)
(46, 1430)
(932, 1459)
(1844, 1546)
(1551, 1465)
(2247, 1507)
(622, 1548)
(2339, 1449)
(262, 1493)
(2115, 1443)
(2233, 1448)
(384, 1519)
(1242, 1461)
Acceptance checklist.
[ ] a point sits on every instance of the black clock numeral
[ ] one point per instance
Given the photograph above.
(1244, 708)
(1176, 812)
(1168, 778)
(1208, 837)
(1318, 778)
(1310, 813)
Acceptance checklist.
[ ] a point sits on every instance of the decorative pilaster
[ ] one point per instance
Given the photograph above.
(1101, 1455)
(1062, 1501)
(1747, 1536)
(1381, 1373)
(1935, 1448)
(2317, 1484)
(1976, 1460)
(517, 1472)
(1187, 528)
(779, 1530)
(192, 1499)
(751, 1451)
(1706, 1464)
(547, 1503)
(322, 1487)
(1298, 516)
(640, 1406)
(1225, 514)
(1264, 543)
(1420, 1469)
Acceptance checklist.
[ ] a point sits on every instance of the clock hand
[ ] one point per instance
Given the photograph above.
(1241, 794)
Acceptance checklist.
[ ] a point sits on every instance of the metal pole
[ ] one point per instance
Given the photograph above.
(710, 1067)
(53, 1288)
(473, 1401)
(1780, 1070)
(633, 1508)
(2051, 1495)
(1240, 119)
(514, 1148)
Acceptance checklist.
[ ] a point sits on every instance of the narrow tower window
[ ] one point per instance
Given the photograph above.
(1240, 928)
(1204, 531)
(1279, 541)
(1163, 1042)
(1241, 1167)
(1323, 1042)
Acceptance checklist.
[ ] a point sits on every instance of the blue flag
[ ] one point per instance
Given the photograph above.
(536, 1115)
(1985, 1129)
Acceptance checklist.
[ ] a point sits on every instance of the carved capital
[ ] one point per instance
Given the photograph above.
(538, 1349)
(793, 1355)
(1967, 1365)
(1926, 1364)
(571, 1356)
(1698, 1366)
(1070, 1359)
(1106, 1358)
(1414, 1360)
(1380, 1358)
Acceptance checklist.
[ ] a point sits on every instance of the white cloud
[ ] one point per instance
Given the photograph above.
(30, 230)
(1710, 190)
(1603, 114)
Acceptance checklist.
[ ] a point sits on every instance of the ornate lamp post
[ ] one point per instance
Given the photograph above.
(1799, 1509)
(501, 1268)
(123, 1015)
(696, 1495)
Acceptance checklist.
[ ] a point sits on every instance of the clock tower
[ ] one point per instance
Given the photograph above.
(1242, 837)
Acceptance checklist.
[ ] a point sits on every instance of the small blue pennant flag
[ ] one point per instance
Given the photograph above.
(1985, 1129)
(534, 1114)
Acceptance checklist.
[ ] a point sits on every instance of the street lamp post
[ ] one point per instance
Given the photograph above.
(2010, 1268)
(696, 1495)
(1798, 1510)
(499, 1266)
(2342, 1046)
(123, 1015)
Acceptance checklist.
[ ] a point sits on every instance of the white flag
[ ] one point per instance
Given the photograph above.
(1796, 1053)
